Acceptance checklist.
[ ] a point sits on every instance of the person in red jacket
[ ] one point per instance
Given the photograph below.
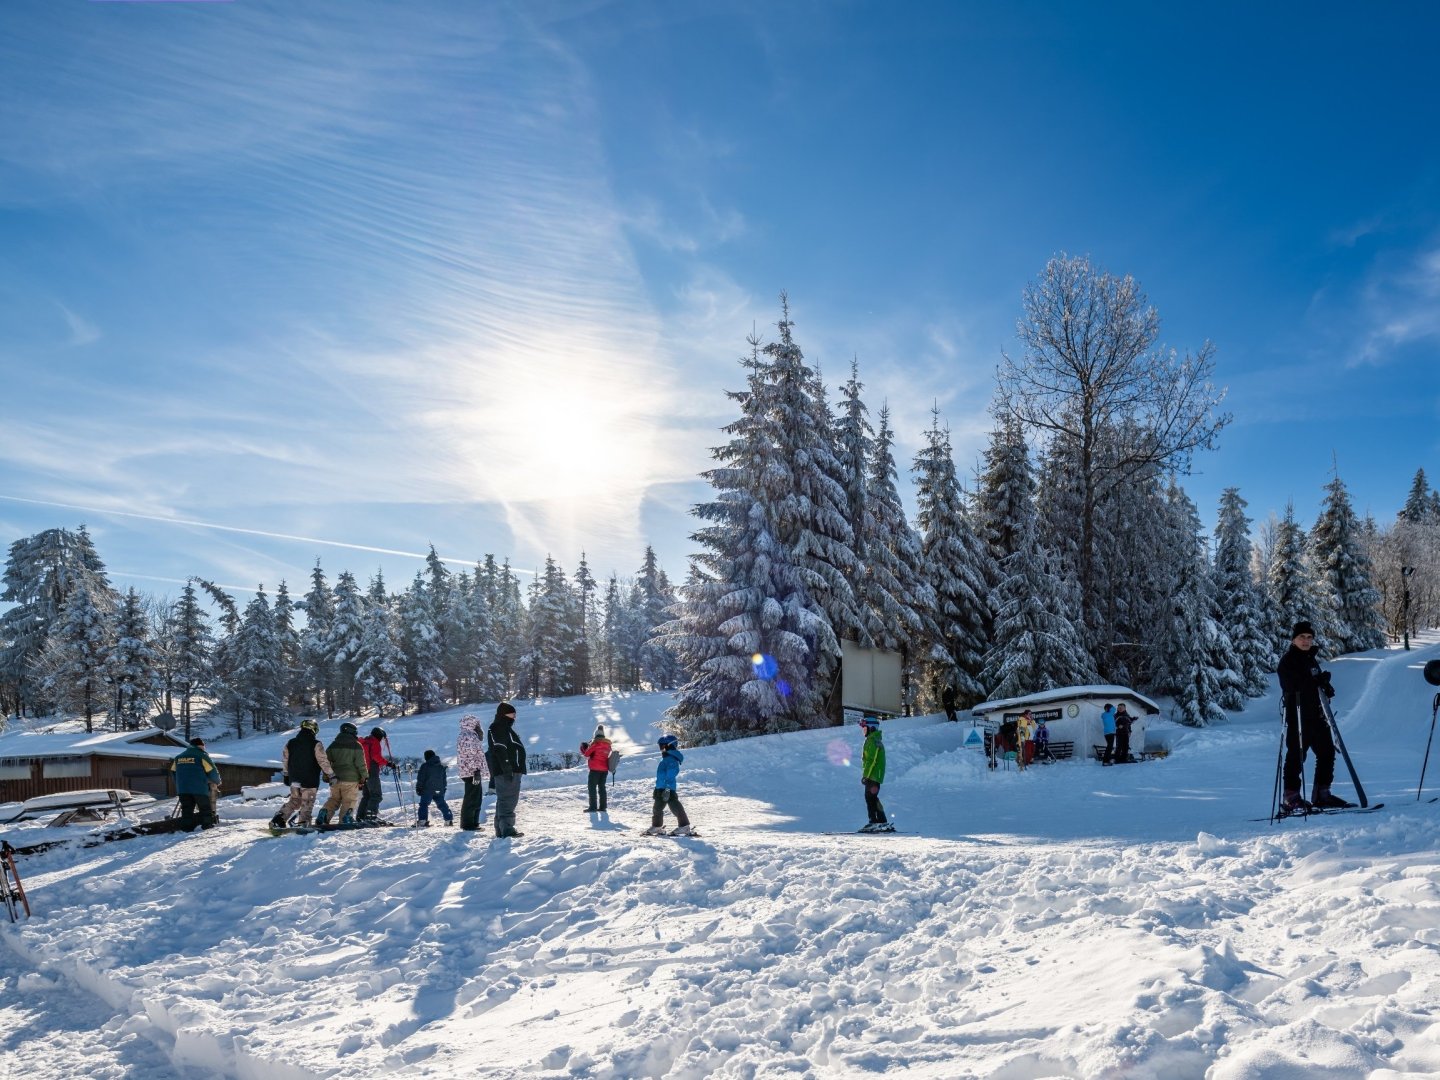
(373, 745)
(597, 753)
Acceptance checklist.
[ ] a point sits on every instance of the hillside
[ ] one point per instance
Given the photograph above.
(1067, 921)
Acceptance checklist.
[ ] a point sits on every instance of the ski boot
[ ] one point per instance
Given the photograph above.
(322, 819)
(278, 821)
(654, 830)
(684, 830)
(1292, 802)
(348, 819)
(1322, 799)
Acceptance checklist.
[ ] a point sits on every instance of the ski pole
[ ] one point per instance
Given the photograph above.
(1434, 709)
(1279, 759)
(395, 772)
(1329, 714)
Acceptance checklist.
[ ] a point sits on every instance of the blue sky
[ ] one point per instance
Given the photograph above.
(281, 281)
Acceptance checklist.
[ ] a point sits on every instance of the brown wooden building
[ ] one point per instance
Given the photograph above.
(34, 764)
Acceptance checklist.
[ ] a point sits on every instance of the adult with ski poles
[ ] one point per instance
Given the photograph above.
(507, 765)
(375, 760)
(1302, 681)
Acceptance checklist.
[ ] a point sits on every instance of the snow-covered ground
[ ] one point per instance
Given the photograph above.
(1068, 921)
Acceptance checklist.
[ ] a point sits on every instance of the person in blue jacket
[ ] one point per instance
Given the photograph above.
(430, 785)
(665, 775)
(194, 773)
(1107, 726)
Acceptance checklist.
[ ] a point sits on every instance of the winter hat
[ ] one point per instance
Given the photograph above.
(470, 720)
(430, 755)
(504, 711)
(1302, 627)
(599, 732)
(668, 742)
(197, 741)
(377, 733)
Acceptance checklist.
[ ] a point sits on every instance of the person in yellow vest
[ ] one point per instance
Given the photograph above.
(1025, 735)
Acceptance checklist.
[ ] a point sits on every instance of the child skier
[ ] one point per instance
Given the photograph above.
(665, 774)
(872, 775)
(430, 785)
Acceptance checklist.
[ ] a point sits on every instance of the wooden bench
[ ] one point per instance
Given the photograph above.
(1058, 751)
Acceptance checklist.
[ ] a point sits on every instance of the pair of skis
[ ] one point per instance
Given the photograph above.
(15, 899)
(1339, 741)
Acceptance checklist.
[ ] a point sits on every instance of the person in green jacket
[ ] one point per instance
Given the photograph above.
(348, 772)
(872, 775)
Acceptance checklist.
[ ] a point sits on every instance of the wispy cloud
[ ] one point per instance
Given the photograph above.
(1401, 307)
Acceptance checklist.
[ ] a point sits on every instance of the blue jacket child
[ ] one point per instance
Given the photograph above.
(430, 785)
(665, 795)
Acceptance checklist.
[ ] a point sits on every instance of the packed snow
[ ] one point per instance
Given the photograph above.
(1068, 920)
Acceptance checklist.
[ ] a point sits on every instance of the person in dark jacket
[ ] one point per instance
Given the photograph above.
(430, 785)
(1123, 722)
(374, 747)
(305, 763)
(194, 773)
(347, 773)
(947, 702)
(506, 754)
(1301, 683)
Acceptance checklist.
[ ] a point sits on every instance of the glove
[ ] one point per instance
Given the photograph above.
(1329, 691)
(1323, 679)
(329, 779)
(285, 779)
(490, 786)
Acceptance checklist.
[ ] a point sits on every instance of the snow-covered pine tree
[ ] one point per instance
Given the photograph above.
(1421, 502)
(316, 648)
(611, 648)
(1005, 493)
(658, 669)
(1037, 647)
(955, 568)
(756, 633)
(191, 645)
(1238, 600)
(584, 591)
(421, 647)
(39, 574)
(1193, 651)
(343, 642)
(548, 667)
(72, 665)
(130, 666)
(487, 658)
(258, 676)
(380, 667)
(287, 638)
(1289, 582)
(1337, 552)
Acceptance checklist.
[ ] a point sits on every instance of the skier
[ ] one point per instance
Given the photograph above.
(507, 765)
(597, 753)
(347, 773)
(305, 763)
(1123, 720)
(474, 770)
(374, 747)
(665, 794)
(1107, 724)
(872, 775)
(1301, 684)
(194, 773)
(430, 785)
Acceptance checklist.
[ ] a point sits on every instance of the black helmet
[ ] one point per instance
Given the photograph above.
(348, 728)
(377, 732)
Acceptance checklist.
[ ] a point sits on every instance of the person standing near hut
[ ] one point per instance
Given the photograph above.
(194, 773)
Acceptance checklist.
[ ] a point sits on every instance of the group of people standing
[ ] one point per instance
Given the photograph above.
(353, 767)
(1116, 723)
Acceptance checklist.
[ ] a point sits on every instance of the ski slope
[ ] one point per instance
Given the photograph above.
(1067, 921)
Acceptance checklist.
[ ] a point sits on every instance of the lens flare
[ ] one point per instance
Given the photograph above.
(764, 666)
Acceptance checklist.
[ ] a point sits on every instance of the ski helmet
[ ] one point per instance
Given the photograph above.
(348, 728)
(310, 725)
(870, 723)
(377, 732)
(668, 742)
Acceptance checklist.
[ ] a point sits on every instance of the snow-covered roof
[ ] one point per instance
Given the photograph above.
(145, 743)
(1069, 693)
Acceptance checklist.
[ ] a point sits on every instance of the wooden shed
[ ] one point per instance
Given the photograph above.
(1072, 714)
(33, 763)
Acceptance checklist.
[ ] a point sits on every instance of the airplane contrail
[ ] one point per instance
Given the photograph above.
(238, 529)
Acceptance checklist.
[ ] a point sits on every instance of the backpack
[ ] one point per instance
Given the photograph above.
(614, 761)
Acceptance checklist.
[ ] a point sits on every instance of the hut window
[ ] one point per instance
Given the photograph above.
(14, 770)
(72, 766)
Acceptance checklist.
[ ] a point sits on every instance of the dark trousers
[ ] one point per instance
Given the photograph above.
(666, 797)
(597, 789)
(472, 803)
(372, 795)
(1122, 747)
(1109, 748)
(507, 797)
(439, 800)
(1314, 733)
(872, 803)
(193, 807)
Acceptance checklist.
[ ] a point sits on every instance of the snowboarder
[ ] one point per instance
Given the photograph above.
(347, 773)
(1123, 720)
(474, 770)
(872, 775)
(374, 747)
(597, 753)
(1107, 724)
(430, 785)
(194, 773)
(1301, 684)
(665, 794)
(507, 765)
(305, 763)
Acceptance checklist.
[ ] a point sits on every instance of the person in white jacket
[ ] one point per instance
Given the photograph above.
(473, 769)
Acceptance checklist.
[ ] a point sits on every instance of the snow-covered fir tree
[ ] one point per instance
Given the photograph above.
(548, 666)
(73, 663)
(956, 568)
(756, 631)
(486, 657)
(1337, 552)
(380, 670)
(343, 643)
(1289, 582)
(1421, 501)
(130, 666)
(258, 677)
(287, 640)
(651, 601)
(1005, 493)
(1238, 600)
(1037, 647)
(191, 646)
(316, 647)
(421, 647)
(584, 592)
